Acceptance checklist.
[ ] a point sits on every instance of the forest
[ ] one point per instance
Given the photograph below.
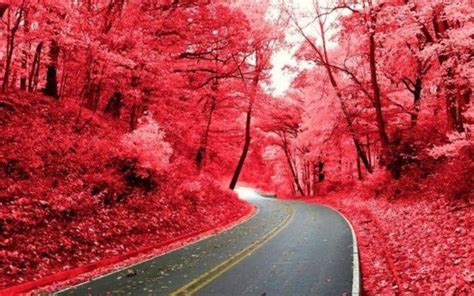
(123, 121)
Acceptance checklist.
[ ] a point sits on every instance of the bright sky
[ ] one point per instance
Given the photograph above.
(281, 77)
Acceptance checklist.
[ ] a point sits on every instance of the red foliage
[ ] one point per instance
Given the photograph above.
(152, 105)
(410, 246)
(416, 233)
(70, 197)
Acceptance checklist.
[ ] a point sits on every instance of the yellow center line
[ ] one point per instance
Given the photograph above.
(206, 278)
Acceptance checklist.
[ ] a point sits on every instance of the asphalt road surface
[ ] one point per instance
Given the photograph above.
(287, 248)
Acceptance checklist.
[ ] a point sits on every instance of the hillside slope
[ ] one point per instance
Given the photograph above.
(72, 191)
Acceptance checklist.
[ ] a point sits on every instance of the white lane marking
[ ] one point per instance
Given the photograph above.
(355, 255)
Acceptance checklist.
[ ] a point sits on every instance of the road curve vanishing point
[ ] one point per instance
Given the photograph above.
(288, 248)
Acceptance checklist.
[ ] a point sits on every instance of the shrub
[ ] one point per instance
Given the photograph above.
(147, 145)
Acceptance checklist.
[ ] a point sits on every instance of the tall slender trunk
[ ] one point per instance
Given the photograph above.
(416, 88)
(10, 40)
(321, 172)
(292, 184)
(51, 88)
(357, 143)
(355, 139)
(322, 58)
(453, 110)
(114, 105)
(24, 58)
(202, 150)
(24, 65)
(375, 85)
(359, 171)
(200, 157)
(64, 77)
(315, 177)
(34, 73)
(307, 178)
(12, 30)
(245, 150)
(368, 149)
(293, 169)
(64, 80)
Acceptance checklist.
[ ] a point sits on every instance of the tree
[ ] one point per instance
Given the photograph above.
(16, 15)
(263, 37)
(321, 57)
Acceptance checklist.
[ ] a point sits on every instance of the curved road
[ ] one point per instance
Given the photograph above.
(287, 248)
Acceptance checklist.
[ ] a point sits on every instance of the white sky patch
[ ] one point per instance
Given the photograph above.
(283, 60)
(280, 76)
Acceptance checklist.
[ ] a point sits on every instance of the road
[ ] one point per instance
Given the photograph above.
(287, 248)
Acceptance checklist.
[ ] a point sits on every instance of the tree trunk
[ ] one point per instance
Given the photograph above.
(33, 78)
(321, 173)
(64, 80)
(315, 177)
(202, 150)
(24, 65)
(11, 45)
(359, 171)
(357, 143)
(453, 110)
(308, 178)
(114, 105)
(292, 184)
(417, 89)
(291, 167)
(64, 77)
(323, 59)
(51, 88)
(245, 150)
(133, 117)
(375, 85)
(92, 93)
(24, 57)
(360, 151)
(369, 151)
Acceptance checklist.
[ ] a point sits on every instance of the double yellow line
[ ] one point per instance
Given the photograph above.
(206, 278)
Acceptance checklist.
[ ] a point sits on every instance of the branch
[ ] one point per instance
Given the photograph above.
(409, 84)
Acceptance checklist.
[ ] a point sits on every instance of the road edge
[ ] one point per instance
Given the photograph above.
(356, 274)
(81, 275)
(200, 237)
(208, 277)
